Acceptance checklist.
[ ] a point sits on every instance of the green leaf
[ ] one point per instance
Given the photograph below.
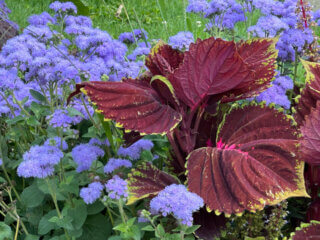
(64, 222)
(43, 186)
(37, 95)
(192, 229)
(74, 112)
(160, 230)
(78, 213)
(115, 238)
(96, 227)
(95, 208)
(32, 237)
(5, 232)
(32, 196)
(256, 238)
(44, 225)
(122, 227)
(32, 121)
(15, 120)
(148, 228)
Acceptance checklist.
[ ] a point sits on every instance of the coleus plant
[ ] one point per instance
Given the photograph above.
(235, 157)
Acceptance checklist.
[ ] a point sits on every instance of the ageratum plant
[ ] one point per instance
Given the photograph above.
(236, 157)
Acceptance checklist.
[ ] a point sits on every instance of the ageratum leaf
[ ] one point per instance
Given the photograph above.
(146, 180)
(310, 142)
(310, 94)
(132, 104)
(307, 231)
(163, 59)
(253, 164)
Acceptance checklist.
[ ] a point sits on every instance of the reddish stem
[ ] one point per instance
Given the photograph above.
(176, 149)
(304, 14)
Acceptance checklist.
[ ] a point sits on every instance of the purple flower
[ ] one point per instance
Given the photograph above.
(268, 26)
(91, 193)
(56, 141)
(41, 19)
(1, 162)
(115, 163)
(98, 142)
(197, 6)
(63, 7)
(39, 161)
(129, 37)
(277, 92)
(135, 149)
(181, 40)
(85, 154)
(178, 201)
(60, 118)
(117, 188)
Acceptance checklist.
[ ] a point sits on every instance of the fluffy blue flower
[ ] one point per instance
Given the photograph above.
(117, 188)
(197, 6)
(57, 142)
(85, 154)
(60, 118)
(181, 40)
(129, 37)
(277, 92)
(115, 163)
(268, 26)
(135, 149)
(39, 161)
(1, 162)
(63, 7)
(178, 201)
(98, 142)
(41, 19)
(91, 193)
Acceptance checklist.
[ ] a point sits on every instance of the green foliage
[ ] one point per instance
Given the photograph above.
(5, 232)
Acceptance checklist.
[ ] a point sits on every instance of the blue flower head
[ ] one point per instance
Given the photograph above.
(91, 193)
(117, 188)
(178, 201)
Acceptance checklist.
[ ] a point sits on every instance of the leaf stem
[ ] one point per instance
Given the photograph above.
(17, 229)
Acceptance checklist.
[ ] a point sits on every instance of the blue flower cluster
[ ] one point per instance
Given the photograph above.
(4, 12)
(135, 149)
(316, 16)
(131, 37)
(277, 92)
(181, 40)
(91, 193)
(279, 18)
(176, 200)
(39, 161)
(115, 163)
(85, 154)
(222, 14)
(57, 142)
(57, 51)
(117, 188)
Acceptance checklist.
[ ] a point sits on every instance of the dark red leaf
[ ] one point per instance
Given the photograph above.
(310, 94)
(223, 68)
(307, 231)
(211, 224)
(313, 212)
(310, 142)
(260, 56)
(254, 163)
(133, 105)
(163, 59)
(147, 181)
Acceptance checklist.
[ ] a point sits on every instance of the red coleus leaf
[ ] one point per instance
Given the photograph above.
(310, 94)
(147, 181)
(163, 59)
(310, 142)
(218, 67)
(253, 164)
(307, 231)
(211, 224)
(133, 104)
(260, 56)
